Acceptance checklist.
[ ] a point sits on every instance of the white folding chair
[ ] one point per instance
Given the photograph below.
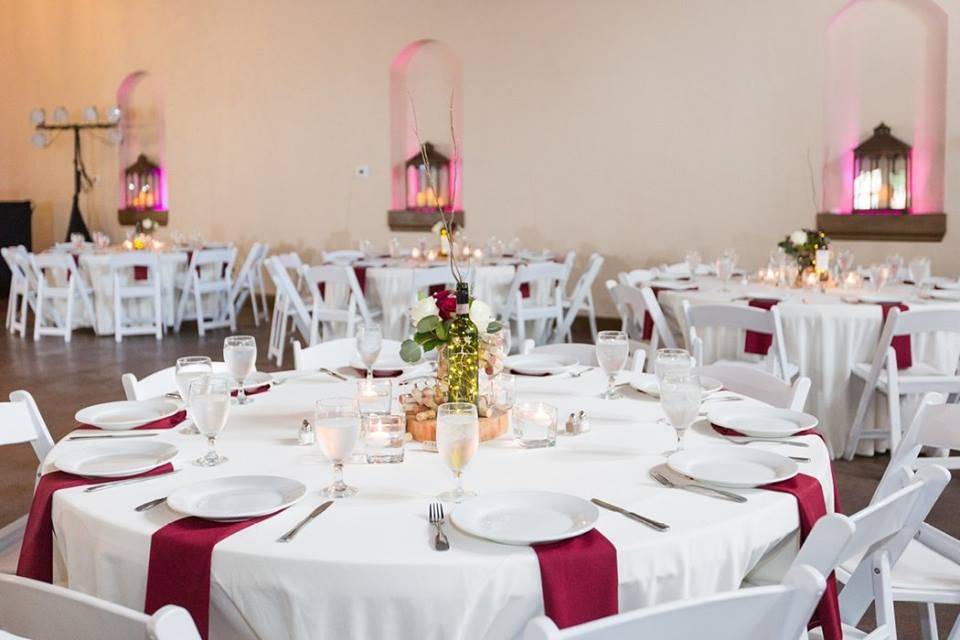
(157, 383)
(289, 309)
(637, 277)
(42, 611)
(760, 385)
(208, 284)
(582, 298)
(636, 303)
(423, 279)
(337, 300)
(928, 572)
(884, 376)
(334, 354)
(777, 612)
(586, 354)
(544, 304)
(343, 256)
(741, 318)
(58, 282)
(568, 261)
(258, 277)
(22, 288)
(245, 284)
(20, 422)
(125, 269)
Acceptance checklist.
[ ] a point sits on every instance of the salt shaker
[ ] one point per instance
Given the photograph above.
(306, 435)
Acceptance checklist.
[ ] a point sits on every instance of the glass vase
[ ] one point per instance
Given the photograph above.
(458, 370)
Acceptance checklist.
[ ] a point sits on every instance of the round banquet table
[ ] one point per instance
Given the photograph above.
(825, 334)
(366, 567)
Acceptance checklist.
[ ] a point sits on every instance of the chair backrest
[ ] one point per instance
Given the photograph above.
(637, 277)
(568, 262)
(250, 262)
(157, 383)
(45, 265)
(42, 611)
(760, 385)
(935, 426)
(431, 277)
(20, 421)
(582, 292)
(778, 612)
(288, 297)
(223, 257)
(122, 262)
(343, 256)
(923, 320)
(21, 257)
(660, 324)
(335, 353)
(327, 275)
(544, 274)
(290, 260)
(735, 316)
(10, 258)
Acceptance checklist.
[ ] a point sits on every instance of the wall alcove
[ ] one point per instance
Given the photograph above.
(425, 104)
(905, 87)
(142, 153)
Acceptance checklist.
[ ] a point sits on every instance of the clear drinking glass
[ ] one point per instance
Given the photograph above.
(693, 260)
(240, 354)
(189, 368)
(671, 361)
(458, 436)
(725, 267)
(895, 262)
(845, 260)
(337, 427)
(680, 395)
(879, 274)
(374, 395)
(210, 406)
(383, 437)
(369, 343)
(919, 269)
(613, 348)
(535, 425)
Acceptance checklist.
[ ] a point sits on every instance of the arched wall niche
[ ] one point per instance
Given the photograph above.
(141, 102)
(904, 86)
(425, 84)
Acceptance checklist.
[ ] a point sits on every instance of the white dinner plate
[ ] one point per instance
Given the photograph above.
(236, 497)
(647, 383)
(881, 298)
(127, 414)
(762, 422)
(733, 466)
(766, 295)
(256, 380)
(935, 294)
(539, 364)
(114, 458)
(678, 285)
(386, 365)
(948, 285)
(674, 275)
(525, 517)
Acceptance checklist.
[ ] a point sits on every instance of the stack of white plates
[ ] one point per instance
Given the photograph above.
(525, 517)
(127, 414)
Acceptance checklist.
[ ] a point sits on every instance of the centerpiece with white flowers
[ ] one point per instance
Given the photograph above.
(803, 245)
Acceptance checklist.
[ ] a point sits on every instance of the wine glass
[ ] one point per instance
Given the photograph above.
(667, 361)
(692, 258)
(369, 343)
(895, 262)
(879, 273)
(844, 260)
(612, 352)
(919, 269)
(725, 266)
(680, 395)
(189, 368)
(240, 354)
(337, 427)
(210, 406)
(458, 436)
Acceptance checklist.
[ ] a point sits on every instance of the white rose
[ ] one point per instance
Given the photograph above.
(798, 237)
(437, 227)
(480, 314)
(147, 223)
(425, 307)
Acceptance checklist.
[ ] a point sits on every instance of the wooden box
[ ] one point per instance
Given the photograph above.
(426, 430)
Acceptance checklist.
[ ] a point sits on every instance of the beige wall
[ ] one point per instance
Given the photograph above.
(638, 128)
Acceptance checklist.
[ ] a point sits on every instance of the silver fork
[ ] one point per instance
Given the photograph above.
(577, 374)
(667, 482)
(789, 443)
(435, 512)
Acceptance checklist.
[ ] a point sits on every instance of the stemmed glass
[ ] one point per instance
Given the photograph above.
(190, 368)
(919, 269)
(725, 266)
(671, 361)
(369, 343)
(458, 436)
(878, 275)
(240, 354)
(693, 261)
(895, 262)
(612, 352)
(337, 426)
(680, 396)
(210, 406)
(844, 260)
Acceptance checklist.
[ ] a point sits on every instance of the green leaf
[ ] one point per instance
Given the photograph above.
(430, 345)
(494, 326)
(422, 338)
(441, 331)
(410, 351)
(428, 324)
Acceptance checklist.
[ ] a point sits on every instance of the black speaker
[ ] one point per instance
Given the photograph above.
(14, 229)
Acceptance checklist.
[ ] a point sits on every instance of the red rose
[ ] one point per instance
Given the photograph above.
(447, 303)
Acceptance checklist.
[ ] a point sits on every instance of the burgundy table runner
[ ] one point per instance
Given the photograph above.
(140, 272)
(36, 554)
(579, 578)
(901, 344)
(178, 572)
(163, 423)
(755, 341)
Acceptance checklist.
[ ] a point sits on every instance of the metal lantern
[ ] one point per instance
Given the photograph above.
(881, 169)
(427, 191)
(143, 190)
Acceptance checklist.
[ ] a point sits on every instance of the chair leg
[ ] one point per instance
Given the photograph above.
(232, 313)
(198, 303)
(253, 301)
(954, 630)
(593, 315)
(893, 408)
(158, 314)
(928, 621)
(68, 321)
(24, 306)
(117, 314)
(853, 439)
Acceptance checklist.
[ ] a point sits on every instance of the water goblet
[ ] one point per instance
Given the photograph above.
(667, 361)
(845, 260)
(895, 262)
(680, 396)
(613, 348)
(369, 343)
(919, 269)
(240, 355)
(879, 273)
(210, 406)
(693, 260)
(190, 368)
(458, 437)
(725, 267)
(337, 426)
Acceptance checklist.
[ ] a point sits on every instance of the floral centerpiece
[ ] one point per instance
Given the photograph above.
(802, 245)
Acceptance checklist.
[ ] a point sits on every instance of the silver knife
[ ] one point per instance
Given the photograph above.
(289, 535)
(121, 483)
(653, 524)
(333, 373)
(113, 435)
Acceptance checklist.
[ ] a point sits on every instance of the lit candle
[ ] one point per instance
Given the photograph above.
(432, 255)
(823, 260)
(811, 280)
(478, 254)
(415, 253)
(421, 199)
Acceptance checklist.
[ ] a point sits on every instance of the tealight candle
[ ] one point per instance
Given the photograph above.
(415, 253)
(383, 438)
(478, 254)
(811, 280)
(374, 395)
(432, 255)
(535, 424)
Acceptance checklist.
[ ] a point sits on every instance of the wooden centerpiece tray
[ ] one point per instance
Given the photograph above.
(425, 428)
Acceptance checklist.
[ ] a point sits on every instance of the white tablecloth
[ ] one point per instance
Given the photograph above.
(824, 336)
(366, 569)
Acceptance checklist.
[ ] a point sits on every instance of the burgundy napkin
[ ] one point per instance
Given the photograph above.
(140, 273)
(525, 290)
(755, 341)
(811, 507)
(178, 571)
(36, 554)
(579, 578)
(252, 392)
(378, 373)
(163, 423)
(901, 344)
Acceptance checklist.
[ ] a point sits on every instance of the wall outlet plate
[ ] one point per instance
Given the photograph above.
(362, 170)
